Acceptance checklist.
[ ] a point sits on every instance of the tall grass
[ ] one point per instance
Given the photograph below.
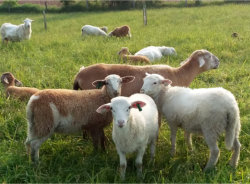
(51, 59)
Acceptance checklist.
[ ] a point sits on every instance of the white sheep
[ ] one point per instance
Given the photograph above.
(207, 111)
(12, 32)
(69, 111)
(133, 127)
(155, 52)
(93, 30)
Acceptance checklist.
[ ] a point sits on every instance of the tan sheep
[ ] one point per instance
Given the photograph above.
(68, 111)
(120, 32)
(13, 89)
(125, 55)
(199, 61)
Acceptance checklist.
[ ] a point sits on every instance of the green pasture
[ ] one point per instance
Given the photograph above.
(50, 59)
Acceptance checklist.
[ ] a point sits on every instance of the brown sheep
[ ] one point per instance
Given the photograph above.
(125, 55)
(11, 89)
(199, 61)
(120, 32)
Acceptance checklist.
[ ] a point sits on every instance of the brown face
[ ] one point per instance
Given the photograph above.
(8, 78)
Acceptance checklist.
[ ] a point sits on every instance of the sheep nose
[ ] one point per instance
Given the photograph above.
(120, 123)
(142, 91)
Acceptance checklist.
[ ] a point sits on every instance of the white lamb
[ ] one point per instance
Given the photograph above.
(154, 53)
(93, 30)
(208, 111)
(134, 127)
(12, 32)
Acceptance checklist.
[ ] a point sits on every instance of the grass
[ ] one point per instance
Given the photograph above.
(51, 59)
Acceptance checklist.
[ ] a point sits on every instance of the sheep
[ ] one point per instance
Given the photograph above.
(13, 89)
(93, 30)
(12, 32)
(67, 111)
(206, 111)
(126, 56)
(155, 52)
(133, 128)
(121, 32)
(104, 28)
(199, 61)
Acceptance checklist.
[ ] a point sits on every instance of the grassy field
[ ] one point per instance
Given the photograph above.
(51, 59)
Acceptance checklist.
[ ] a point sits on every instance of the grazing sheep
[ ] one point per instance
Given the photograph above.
(69, 111)
(126, 56)
(199, 61)
(93, 30)
(134, 127)
(104, 28)
(154, 53)
(11, 89)
(121, 32)
(207, 111)
(12, 32)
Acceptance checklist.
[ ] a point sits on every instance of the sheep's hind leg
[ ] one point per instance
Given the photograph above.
(173, 131)
(236, 153)
(35, 144)
(214, 150)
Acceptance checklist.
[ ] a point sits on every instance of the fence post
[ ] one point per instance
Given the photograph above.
(44, 20)
(87, 4)
(133, 4)
(144, 13)
(46, 6)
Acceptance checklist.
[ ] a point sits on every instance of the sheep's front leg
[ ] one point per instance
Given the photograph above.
(236, 153)
(123, 164)
(173, 140)
(211, 139)
(138, 161)
(188, 139)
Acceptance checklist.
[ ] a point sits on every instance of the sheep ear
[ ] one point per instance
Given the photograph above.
(138, 104)
(6, 80)
(201, 62)
(99, 83)
(128, 79)
(166, 82)
(147, 74)
(104, 108)
(18, 83)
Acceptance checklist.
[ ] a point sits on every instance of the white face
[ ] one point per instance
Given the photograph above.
(120, 108)
(113, 84)
(27, 23)
(209, 60)
(168, 51)
(152, 84)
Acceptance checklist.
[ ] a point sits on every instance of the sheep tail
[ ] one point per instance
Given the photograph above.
(76, 85)
(233, 128)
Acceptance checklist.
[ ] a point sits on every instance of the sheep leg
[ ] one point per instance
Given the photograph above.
(102, 139)
(138, 161)
(236, 153)
(173, 140)
(123, 164)
(152, 149)
(188, 139)
(214, 150)
(95, 138)
(34, 147)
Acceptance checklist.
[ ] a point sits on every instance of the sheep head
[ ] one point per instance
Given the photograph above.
(120, 108)
(205, 60)
(153, 84)
(113, 84)
(104, 28)
(8, 79)
(124, 51)
(27, 23)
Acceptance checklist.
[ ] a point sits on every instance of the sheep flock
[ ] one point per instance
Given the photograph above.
(133, 97)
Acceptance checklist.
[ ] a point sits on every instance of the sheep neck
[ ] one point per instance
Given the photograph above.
(187, 72)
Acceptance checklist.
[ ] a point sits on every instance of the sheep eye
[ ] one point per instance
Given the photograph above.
(155, 82)
(107, 83)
